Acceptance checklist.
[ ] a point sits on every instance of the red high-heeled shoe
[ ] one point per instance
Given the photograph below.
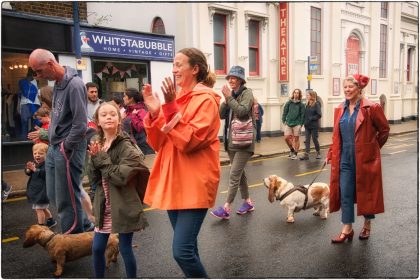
(342, 237)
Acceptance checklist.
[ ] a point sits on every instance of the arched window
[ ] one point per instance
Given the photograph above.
(353, 55)
(158, 26)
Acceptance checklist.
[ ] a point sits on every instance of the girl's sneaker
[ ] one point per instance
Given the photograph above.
(51, 223)
(245, 208)
(220, 213)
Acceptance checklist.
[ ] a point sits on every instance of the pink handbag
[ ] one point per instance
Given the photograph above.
(242, 133)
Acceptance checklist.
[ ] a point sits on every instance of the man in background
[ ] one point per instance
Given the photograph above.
(66, 135)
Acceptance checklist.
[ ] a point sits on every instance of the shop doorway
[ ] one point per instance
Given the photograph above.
(114, 76)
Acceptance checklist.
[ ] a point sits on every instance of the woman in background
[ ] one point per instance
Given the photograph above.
(312, 115)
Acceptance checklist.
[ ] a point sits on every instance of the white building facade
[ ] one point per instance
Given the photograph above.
(276, 43)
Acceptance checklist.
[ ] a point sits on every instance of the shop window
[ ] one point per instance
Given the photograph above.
(158, 26)
(113, 77)
(19, 98)
(220, 43)
(254, 47)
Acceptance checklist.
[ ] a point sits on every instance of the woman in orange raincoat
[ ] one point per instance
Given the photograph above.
(186, 171)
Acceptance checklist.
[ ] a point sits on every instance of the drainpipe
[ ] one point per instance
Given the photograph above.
(76, 34)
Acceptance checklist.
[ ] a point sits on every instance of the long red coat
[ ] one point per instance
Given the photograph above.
(371, 133)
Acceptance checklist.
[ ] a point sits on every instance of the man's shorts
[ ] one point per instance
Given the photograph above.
(295, 130)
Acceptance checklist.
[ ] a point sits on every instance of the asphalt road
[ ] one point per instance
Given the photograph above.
(260, 244)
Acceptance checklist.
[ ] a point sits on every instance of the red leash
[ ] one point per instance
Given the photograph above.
(70, 185)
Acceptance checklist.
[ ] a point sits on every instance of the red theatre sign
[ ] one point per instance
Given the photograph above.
(284, 42)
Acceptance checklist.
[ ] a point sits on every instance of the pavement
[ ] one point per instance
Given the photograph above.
(268, 147)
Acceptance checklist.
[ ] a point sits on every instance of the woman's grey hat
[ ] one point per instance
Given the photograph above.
(236, 71)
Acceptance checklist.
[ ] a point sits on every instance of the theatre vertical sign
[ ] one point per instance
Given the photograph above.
(284, 42)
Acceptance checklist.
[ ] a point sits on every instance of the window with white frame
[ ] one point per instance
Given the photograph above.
(382, 51)
(220, 43)
(316, 37)
(254, 47)
(410, 62)
(384, 9)
(158, 26)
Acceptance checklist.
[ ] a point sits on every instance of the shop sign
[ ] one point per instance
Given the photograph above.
(119, 44)
(284, 42)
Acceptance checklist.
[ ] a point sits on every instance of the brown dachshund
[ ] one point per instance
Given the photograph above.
(62, 248)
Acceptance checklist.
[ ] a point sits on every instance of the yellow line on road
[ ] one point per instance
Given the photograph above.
(14, 199)
(398, 152)
(10, 239)
(148, 209)
(310, 172)
(260, 159)
(250, 186)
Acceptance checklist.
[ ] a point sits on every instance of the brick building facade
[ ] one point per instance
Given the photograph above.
(47, 8)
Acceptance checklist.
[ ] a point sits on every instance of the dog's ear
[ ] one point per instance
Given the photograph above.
(29, 239)
(31, 236)
(272, 188)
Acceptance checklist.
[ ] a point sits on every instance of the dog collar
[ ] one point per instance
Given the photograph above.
(48, 240)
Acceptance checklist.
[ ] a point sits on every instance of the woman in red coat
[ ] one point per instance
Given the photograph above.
(360, 131)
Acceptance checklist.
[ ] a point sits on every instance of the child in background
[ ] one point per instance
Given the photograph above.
(43, 116)
(36, 188)
(117, 165)
(119, 102)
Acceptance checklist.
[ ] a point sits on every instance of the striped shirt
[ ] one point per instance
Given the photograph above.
(107, 224)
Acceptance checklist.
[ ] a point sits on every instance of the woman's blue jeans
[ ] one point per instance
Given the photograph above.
(186, 225)
(57, 185)
(100, 240)
(348, 192)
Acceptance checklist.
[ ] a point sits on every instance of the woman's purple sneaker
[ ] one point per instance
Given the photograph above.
(220, 213)
(245, 208)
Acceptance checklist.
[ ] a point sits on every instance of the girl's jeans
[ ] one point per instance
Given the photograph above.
(100, 240)
(186, 225)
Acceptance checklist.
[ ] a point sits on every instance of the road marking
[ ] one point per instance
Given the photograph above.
(10, 239)
(398, 152)
(400, 146)
(14, 199)
(297, 175)
(310, 172)
(148, 209)
(260, 159)
(250, 186)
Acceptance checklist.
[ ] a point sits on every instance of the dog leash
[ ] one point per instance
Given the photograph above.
(70, 186)
(325, 163)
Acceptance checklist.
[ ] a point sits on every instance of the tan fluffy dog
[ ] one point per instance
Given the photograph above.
(69, 247)
(318, 197)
